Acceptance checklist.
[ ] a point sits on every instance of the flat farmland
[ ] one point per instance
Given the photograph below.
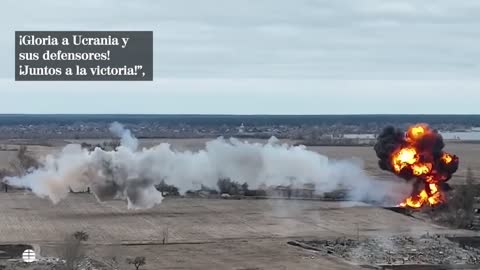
(210, 233)
(200, 233)
(26, 217)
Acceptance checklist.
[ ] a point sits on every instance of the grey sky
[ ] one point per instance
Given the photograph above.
(275, 56)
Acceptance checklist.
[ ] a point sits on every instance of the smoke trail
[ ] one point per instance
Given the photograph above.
(131, 174)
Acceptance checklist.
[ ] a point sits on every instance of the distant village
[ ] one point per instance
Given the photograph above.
(309, 134)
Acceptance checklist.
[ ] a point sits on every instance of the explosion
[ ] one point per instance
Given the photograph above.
(417, 154)
(133, 174)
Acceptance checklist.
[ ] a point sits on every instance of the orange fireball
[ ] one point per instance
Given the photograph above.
(433, 197)
(404, 157)
(414, 157)
(416, 132)
(447, 158)
(417, 155)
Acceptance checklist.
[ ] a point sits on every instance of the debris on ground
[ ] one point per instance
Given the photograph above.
(426, 249)
(50, 263)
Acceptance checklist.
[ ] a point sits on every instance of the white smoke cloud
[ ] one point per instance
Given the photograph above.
(127, 139)
(131, 174)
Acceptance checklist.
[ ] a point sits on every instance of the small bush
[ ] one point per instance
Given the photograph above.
(166, 189)
(228, 186)
(81, 236)
(137, 261)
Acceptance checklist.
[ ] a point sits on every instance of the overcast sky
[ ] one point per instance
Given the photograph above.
(264, 56)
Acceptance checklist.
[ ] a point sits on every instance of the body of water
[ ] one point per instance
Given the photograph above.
(448, 135)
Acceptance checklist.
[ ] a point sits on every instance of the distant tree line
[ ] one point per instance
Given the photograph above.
(236, 120)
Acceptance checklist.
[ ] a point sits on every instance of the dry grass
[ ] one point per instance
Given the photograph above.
(209, 234)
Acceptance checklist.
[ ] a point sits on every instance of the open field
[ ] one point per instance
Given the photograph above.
(210, 234)
(191, 220)
(202, 233)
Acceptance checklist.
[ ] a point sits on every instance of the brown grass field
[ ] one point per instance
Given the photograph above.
(210, 234)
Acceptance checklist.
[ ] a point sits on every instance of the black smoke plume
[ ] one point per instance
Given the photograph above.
(429, 148)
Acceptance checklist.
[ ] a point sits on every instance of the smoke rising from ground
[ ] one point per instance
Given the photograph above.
(131, 174)
(127, 139)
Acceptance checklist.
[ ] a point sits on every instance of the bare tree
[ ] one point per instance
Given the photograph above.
(137, 261)
(81, 235)
(166, 189)
(73, 250)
